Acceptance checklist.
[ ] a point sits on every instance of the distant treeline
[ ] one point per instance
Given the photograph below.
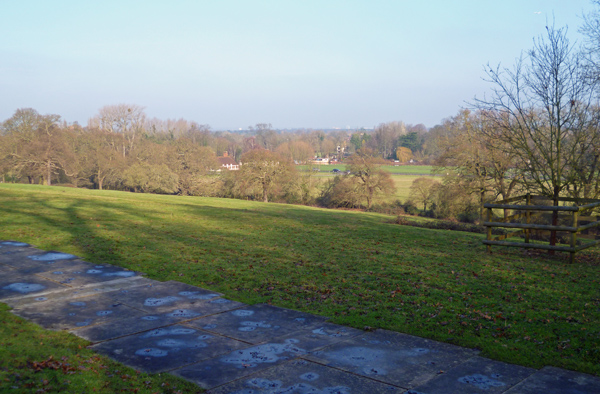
(122, 149)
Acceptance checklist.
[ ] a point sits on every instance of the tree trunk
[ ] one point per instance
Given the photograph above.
(49, 174)
(265, 194)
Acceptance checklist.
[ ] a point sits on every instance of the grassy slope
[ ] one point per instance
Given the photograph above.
(354, 267)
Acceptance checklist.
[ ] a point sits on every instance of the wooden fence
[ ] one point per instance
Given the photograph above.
(529, 211)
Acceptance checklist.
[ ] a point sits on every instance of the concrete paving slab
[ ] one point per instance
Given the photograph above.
(326, 334)
(129, 326)
(242, 362)
(301, 376)
(476, 375)
(31, 256)
(31, 260)
(551, 380)
(15, 285)
(162, 297)
(6, 268)
(77, 313)
(167, 348)
(67, 292)
(83, 274)
(259, 323)
(394, 358)
(195, 309)
(10, 252)
(27, 266)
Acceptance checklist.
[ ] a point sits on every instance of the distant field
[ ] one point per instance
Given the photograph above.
(358, 268)
(403, 176)
(401, 169)
(403, 183)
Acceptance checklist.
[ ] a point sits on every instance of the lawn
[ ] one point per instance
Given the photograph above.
(357, 268)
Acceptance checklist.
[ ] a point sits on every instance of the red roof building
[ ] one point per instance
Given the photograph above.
(228, 162)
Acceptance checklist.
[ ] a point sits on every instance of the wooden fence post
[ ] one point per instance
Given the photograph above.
(574, 237)
(527, 217)
(489, 229)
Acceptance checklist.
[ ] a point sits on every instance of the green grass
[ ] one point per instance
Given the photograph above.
(357, 268)
(400, 169)
(403, 176)
(403, 184)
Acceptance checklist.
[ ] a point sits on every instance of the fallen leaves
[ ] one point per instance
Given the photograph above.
(51, 363)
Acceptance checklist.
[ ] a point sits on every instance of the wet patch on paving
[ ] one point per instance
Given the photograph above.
(476, 375)
(149, 321)
(162, 297)
(34, 267)
(305, 377)
(85, 274)
(329, 332)
(51, 256)
(13, 285)
(13, 243)
(243, 362)
(259, 323)
(393, 358)
(550, 380)
(130, 325)
(31, 260)
(166, 348)
(75, 313)
(11, 251)
(65, 293)
(28, 256)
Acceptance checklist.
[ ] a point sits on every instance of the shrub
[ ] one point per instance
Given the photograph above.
(340, 192)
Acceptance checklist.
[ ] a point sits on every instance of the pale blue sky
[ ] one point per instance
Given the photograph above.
(231, 64)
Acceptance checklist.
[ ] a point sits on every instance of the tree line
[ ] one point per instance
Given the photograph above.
(121, 149)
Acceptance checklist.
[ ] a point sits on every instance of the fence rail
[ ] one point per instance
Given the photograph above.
(531, 211)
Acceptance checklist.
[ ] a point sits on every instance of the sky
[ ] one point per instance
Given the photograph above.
(292, 63)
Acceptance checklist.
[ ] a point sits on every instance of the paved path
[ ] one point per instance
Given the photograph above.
(230, 347)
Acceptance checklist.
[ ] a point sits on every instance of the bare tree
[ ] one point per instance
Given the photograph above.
(371, 180)
(191, 163)
(297, 151)
(126, 119)
(100, 152)
(591, 29)
(37, 145)
(422, 190)
(470, 159)
(385, 138)
(265, 169)
(536, 111)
